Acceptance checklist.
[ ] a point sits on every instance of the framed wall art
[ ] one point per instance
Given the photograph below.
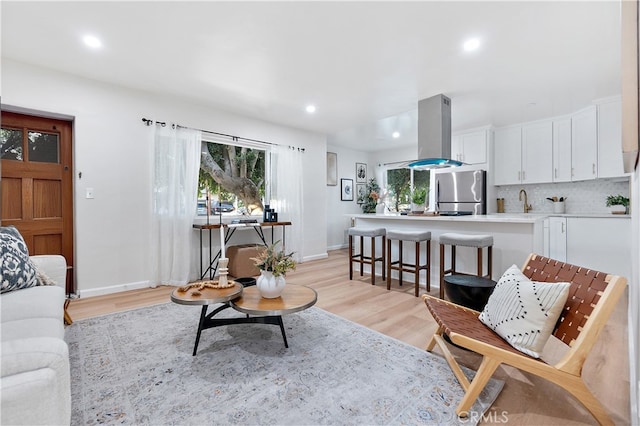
(347, 189)
(332, 169)
(361, 173)
(361, 193)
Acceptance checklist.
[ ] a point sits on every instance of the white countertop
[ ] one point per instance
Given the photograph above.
(494, 217)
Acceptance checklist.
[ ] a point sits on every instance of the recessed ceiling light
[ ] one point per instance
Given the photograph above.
(92, 41)
(471, 44)
(395, 135)
(311, 109)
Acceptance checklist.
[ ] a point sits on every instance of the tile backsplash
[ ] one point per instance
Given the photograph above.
(586, 197)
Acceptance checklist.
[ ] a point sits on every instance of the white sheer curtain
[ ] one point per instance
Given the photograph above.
(175, 185)
(286, 194)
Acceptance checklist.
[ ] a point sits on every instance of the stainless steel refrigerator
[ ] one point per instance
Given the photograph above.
(461, 193)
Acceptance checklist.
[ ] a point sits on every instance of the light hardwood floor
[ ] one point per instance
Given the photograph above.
(525, 399)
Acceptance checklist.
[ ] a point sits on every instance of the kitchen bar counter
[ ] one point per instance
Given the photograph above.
(494, 217)
(515, 236)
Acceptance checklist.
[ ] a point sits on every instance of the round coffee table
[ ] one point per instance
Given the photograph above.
(206, 297)
(247, 300)
(294, 298)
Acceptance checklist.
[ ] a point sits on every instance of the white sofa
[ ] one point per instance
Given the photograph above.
(35, 384)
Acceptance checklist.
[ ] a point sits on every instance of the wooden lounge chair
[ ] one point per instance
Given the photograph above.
(592, 297)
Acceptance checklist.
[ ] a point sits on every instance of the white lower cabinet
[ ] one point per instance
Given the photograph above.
(558, 238)
(602, 244)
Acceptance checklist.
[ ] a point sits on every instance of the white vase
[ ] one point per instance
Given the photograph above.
(618, 209)
(380, 208)
(417, 208)
(269, 286)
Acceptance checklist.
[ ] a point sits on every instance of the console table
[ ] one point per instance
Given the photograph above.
(230, 229)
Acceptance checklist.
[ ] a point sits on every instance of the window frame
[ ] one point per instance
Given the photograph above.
(209, 137)
(385, 170)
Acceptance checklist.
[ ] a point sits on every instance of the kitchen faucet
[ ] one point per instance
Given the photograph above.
(527, 206)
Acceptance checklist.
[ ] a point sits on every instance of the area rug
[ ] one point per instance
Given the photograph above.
(137, 367)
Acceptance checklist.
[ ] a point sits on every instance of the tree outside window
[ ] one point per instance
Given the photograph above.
(232, 179)
(399, 187)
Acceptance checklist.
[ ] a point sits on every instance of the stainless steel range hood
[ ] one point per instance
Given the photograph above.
(434, 134)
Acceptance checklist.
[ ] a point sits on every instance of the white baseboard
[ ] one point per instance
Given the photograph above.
(337, 247)
(315, 257)
(113, 289)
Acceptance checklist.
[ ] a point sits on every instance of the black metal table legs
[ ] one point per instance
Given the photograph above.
(207, 321)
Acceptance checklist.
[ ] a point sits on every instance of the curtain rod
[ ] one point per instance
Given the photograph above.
(149, 122)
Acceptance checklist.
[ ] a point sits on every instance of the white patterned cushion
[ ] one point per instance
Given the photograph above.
(524, 312)
(17, 270)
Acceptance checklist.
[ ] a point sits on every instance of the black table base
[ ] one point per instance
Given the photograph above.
(207, 321)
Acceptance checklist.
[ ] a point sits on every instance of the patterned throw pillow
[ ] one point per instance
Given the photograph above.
(524, 312)
(17, 270)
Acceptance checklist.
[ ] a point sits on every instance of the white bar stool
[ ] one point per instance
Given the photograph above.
(360, 257)
(467, 240)
(399, 265)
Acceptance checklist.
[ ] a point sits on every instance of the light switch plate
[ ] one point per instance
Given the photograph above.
(89, 193)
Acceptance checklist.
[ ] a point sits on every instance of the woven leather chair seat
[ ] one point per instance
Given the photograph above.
(459, 320)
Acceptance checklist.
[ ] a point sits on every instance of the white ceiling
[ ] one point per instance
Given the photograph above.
(365, 65)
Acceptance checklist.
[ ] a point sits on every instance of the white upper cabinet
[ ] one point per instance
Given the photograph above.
(507, 143)
(537, 152)
(562, 150)
(470, 147)
(610, 139)
(584, 144)
(523, 154)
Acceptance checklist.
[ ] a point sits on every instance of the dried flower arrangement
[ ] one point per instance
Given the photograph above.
(273, 260)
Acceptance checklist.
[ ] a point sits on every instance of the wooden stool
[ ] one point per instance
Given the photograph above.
(414, 268)
(360, 257)
(467, 240)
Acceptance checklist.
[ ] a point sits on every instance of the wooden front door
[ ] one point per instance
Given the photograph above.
(37, 190)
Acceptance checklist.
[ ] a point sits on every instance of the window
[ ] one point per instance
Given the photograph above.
(11, 144)
(41, 147)
(400, 185)
(233, 177)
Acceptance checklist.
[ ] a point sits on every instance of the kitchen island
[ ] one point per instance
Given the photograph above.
(514, 237)
(598, 241)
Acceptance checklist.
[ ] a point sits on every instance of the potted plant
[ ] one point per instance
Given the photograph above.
(618, 204)
(370, 200)
(273, 265)
(418, 199)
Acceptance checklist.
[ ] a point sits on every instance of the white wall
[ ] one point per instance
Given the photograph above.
(112, 150)
(634, 300)
(337, 210)
(338, 220)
